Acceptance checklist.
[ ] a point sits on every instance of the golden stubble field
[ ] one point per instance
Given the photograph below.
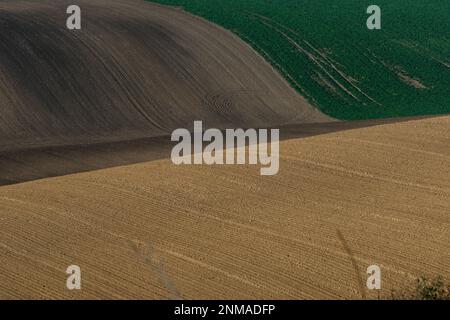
(342, 201)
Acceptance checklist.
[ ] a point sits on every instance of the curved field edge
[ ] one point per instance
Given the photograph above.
(329, 56)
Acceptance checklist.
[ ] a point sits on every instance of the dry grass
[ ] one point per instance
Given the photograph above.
(425, 289)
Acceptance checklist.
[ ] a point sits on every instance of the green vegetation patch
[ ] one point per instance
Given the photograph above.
(327, 53)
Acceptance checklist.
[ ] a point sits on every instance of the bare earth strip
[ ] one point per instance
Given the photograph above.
(341, 202)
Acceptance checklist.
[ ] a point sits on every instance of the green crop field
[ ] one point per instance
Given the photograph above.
(325, 50)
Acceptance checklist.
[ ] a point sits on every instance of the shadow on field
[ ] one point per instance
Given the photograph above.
(36, 163)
